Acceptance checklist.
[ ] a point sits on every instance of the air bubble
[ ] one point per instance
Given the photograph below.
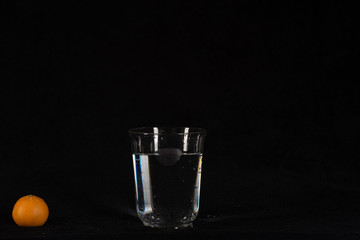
(169, 156)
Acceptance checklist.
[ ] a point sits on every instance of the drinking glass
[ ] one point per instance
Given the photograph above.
(167, 170)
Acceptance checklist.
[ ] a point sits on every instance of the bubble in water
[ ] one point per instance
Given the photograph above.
(169, 156)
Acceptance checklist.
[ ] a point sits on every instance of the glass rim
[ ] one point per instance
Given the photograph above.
(166, 131)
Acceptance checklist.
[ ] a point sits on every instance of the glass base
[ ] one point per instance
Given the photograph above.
(155, 225)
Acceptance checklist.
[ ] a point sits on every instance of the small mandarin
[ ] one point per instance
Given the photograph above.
(30, 211)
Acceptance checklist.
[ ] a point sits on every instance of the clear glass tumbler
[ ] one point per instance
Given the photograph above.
(167, 170)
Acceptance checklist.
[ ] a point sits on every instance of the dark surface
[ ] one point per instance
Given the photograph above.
(270, 83)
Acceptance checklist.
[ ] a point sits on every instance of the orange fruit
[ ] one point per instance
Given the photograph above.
(30, 211)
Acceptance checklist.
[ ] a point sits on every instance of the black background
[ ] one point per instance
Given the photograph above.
(270, 82)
